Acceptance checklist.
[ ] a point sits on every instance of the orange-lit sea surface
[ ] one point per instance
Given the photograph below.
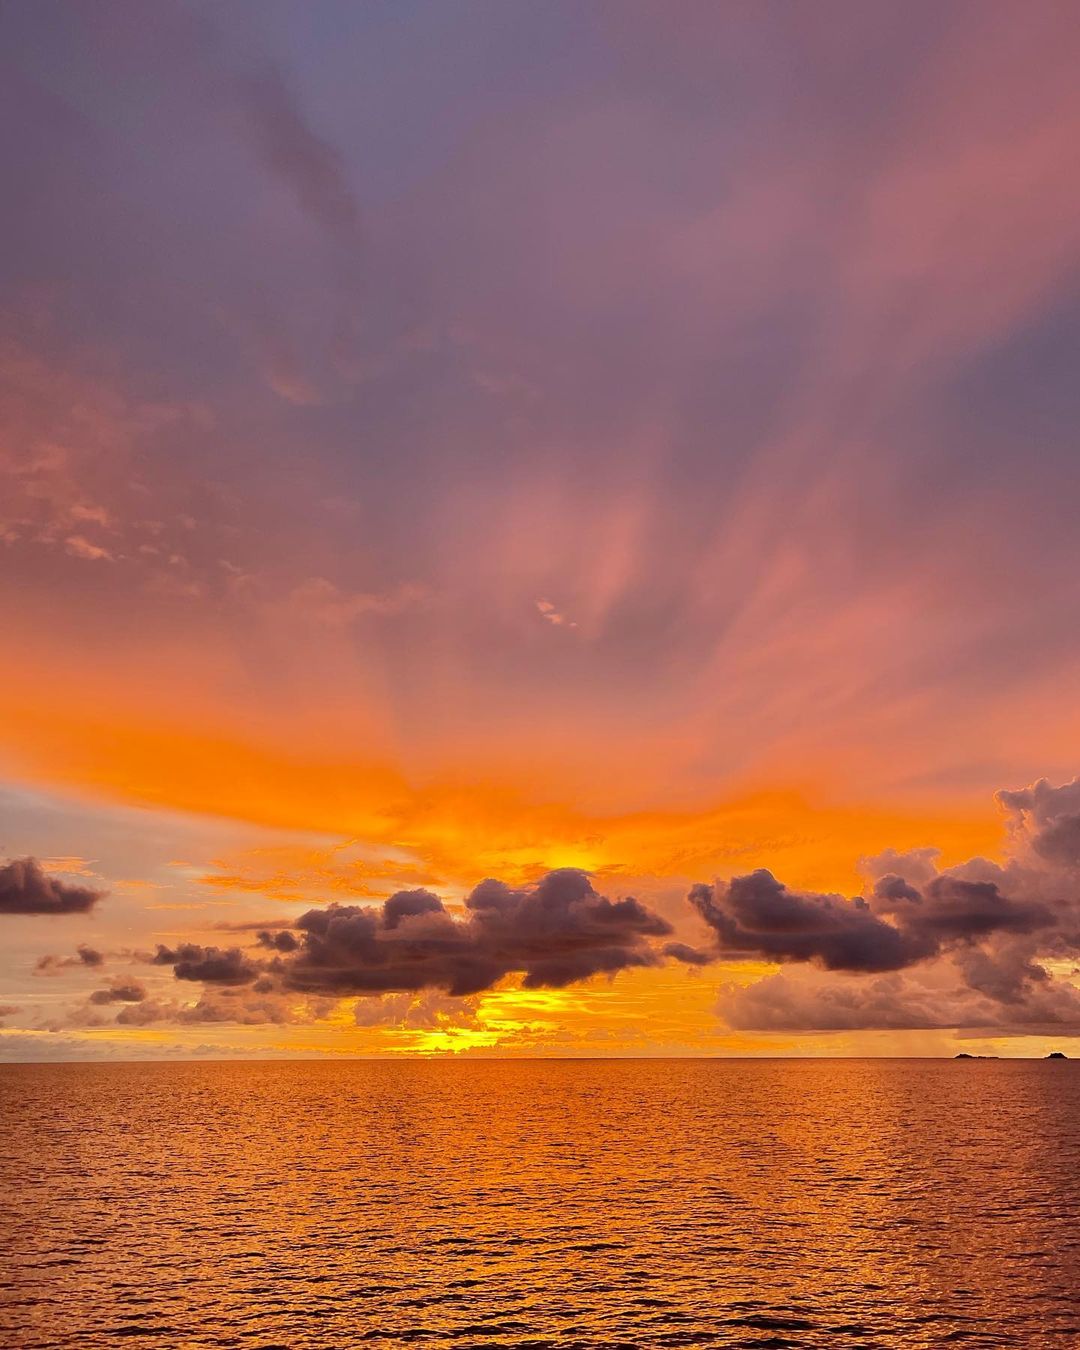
(541, 1204)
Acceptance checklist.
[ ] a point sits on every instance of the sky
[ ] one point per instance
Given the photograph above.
(539, 529)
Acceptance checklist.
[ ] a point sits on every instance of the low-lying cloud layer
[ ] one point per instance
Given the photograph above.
(552, 934)
(85, 957)
(923, 947)
(120, 991)
(978, 945)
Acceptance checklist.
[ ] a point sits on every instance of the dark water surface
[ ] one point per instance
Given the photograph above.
(601, 1204)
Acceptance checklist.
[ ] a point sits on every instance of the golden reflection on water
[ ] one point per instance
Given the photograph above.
(556, 1203)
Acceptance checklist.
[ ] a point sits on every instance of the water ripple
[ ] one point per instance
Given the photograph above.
(541, 1206)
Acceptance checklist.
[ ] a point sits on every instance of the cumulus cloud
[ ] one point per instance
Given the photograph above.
(120, 991)
(950, 908)
(758, 916)
(553, 934)
(980, 944)
(896, 926)
(85, 957)
(278, 939)
(146, 1012)
(923, 946)
(26, 888)
(1046, 821)
(210, 965)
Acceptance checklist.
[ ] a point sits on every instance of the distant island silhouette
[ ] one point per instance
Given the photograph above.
(1054, 1054)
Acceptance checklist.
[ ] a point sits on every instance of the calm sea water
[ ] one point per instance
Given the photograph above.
(589, 1204)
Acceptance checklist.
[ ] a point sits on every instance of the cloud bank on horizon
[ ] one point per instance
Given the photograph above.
(510, 440)
(972, 946)
(975, 945)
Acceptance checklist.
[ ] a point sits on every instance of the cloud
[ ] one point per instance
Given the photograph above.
(915, 864)
(691, 956)
(273, 354)
(25, 888)
(895, 927)
(81, 547)
(950, 909)
(320, 600)
(967, 946)
(549, 612)
(312, 874)
(806, 1000)
(1046, 821)
(70, 864)
(147, 1012)
(308, 166)
(758, 916)
(241, 1006)
(84, 956)
(210, 965)
(277, 939)
(120, 991)
(552, 934)
(428, 1010)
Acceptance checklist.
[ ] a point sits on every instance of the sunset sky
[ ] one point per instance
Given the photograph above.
(459, 443)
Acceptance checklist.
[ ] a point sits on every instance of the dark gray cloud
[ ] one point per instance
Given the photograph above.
(278, 939)
(553, 934)
(691, 956)
(120, 991)
(758, 916)
(896, 926)
(84, 957)
(952, 909)
(210, 965)
(26, 888)
(967, 946)
(1004, 971)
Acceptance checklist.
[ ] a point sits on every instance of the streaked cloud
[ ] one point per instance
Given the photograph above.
(432, 449)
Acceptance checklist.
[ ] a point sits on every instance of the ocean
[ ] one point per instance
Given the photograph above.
(583, 1203)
